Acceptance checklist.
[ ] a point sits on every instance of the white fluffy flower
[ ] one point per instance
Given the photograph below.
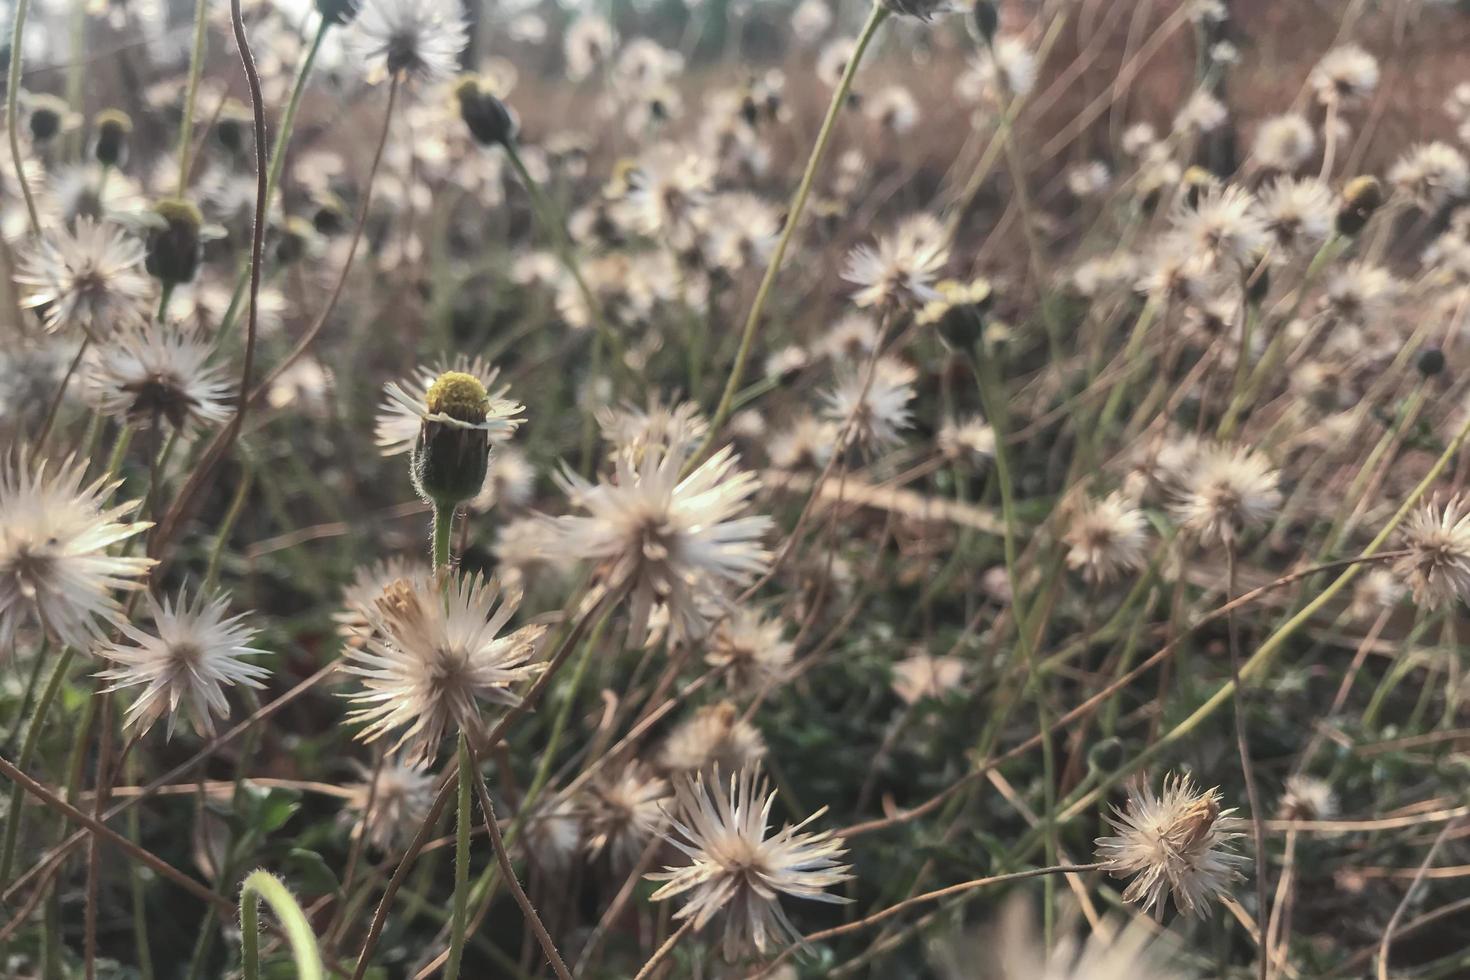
(738, 867)
(420, 40)
(55, 570)
(1176, 843)
(1228, 491)
(878, 408)
(193, 653)
(900, 271)
(433, 655)
(91, 277)
(158, 373)
(667, 539)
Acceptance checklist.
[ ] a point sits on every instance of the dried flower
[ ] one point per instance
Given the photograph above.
(1176, 843)
(665, 539)
(55, 570)
(1437, 566)
(434, 653)
(190, 656)
(737, 867)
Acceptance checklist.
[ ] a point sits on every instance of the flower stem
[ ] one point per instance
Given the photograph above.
(793, 218)
(191, 94)
(264, 886)
(12, 93)
(463, 820)
(443, 529)
(27, 752)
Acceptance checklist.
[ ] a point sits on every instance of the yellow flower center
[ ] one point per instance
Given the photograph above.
(460, 396)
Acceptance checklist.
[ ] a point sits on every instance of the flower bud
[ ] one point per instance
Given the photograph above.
(1360, 198)
(173, 245)
(452, 453)
(296, 238)
(986, 20)
(47, 118)
(338, 12)
(1105, 756)
(486, 117)
(233, 128)
(1430, 362)
(110, 145)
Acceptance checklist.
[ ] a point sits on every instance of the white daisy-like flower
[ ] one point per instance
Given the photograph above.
(435, 652)
(1003, 70)
(714, 736)
(1361, 293)
(675, 429)
(925, 675)
(1437, 566)
(1202, 113)
(193, 653)
(1345, 75)
(509, 481)
(1224, 225)
(419, 40)
(1177, 843)
(750, 649)
(624, 812)
(401, 794)
(738, 867)
(55, 570)
(667, 539)
(1089, 179)
(893, 109)
(1229, 491)
(1308, 798)
(554, 835)
(810, 20)
(878, 407)
(1284, 142)
(91, 277)
(405, 406)
(155, 374)
(671, 184)
(1106, 538)
(588, 43)
(970, 438)
(743, 230)
(900, 271)
(368, 584)
(1431, 174)
(1298, 213)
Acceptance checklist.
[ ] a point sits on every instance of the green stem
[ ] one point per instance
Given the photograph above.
(288, 117)
(23, 760)
(463, 820)
(191, 95)
(263, 886)
(1272, 645)
(443, 529)
(551, 223)
(12, 93)
(793, 218)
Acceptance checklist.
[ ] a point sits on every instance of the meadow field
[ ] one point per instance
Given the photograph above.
(659, 489)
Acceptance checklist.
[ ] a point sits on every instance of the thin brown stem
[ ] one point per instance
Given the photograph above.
(508, 873)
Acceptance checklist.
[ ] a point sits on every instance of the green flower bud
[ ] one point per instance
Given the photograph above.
(110, 146)
(174, 248)
(48, 117)
(337, 12)
(486, 117)
(452, 453)
(1360, 198)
